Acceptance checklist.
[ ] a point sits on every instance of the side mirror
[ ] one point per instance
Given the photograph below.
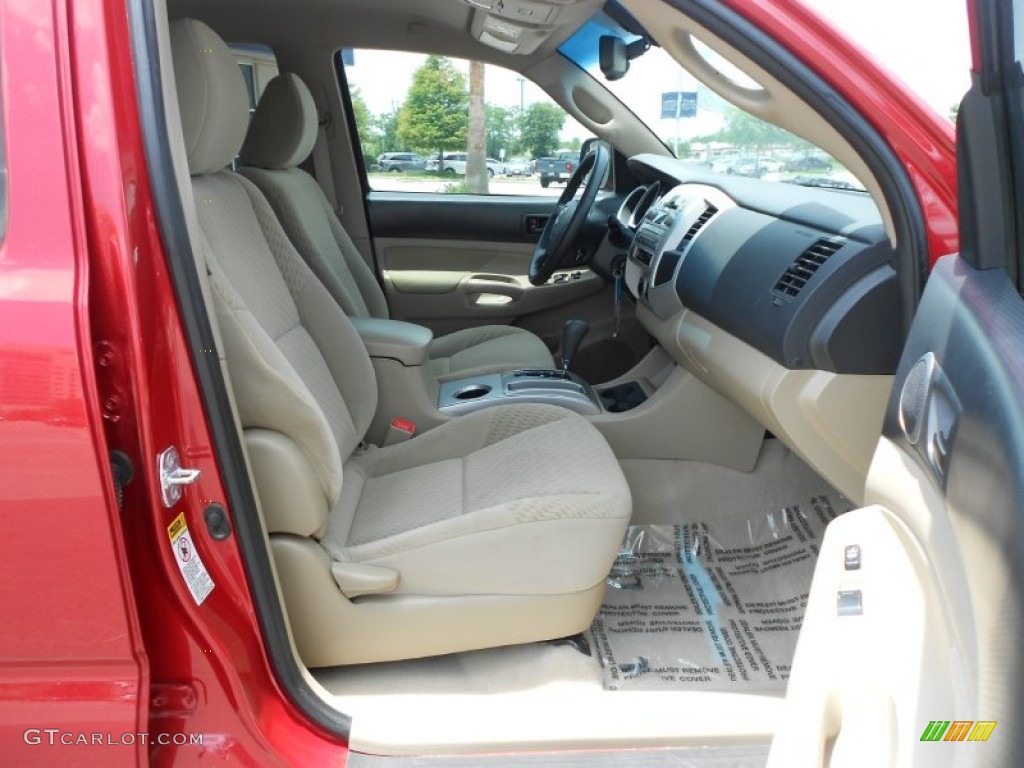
(613, 57)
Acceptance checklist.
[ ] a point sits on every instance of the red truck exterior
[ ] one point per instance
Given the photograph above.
(101, 635)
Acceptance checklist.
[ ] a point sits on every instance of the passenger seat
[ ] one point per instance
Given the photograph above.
(496, 528)
(281, 135)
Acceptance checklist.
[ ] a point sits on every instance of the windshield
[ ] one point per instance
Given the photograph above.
(699, 126)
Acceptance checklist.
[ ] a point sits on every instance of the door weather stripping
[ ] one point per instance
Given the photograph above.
(173, 476)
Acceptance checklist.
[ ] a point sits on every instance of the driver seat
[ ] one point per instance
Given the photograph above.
(281, 135)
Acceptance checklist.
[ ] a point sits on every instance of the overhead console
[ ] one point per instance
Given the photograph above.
(783, 269)
(521, 26)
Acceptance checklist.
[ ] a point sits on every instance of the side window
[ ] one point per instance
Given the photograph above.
(418, 118)
(259, 67)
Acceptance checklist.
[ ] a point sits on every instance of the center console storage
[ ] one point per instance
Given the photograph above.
(526, 385)
(393, 339)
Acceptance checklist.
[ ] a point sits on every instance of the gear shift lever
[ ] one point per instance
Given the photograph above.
(572, 336)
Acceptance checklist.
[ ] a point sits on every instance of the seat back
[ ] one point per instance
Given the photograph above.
(298, 367)
(281, 135)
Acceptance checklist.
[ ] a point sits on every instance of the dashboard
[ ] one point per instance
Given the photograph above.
(782, 299)
(803, 275)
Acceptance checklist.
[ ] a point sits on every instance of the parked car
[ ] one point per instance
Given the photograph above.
(397, 162)
(720, 163)
(455, 164)
(753, 167)
(808, 164)
(557, 168)
(253, 518)
(519, 167)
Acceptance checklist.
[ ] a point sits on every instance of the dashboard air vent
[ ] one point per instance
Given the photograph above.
(800, 271)
(700, 222)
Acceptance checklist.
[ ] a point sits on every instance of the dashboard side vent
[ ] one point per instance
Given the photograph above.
(696, 227)
(803, 268)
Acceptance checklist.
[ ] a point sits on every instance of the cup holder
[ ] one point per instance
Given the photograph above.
(472, 392)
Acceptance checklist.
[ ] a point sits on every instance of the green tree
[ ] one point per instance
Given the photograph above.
(501, 131)
(539, 128)
(748, 132)
(434, 116)
(387, 130)
(366, 126)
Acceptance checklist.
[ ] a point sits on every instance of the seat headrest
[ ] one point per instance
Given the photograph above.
(212, 96)
(283, 129)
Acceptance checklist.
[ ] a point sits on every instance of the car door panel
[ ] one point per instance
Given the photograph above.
(468, 281)
(454, 261)
(941, 548)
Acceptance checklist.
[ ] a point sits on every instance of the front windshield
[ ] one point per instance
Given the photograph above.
(699, 126)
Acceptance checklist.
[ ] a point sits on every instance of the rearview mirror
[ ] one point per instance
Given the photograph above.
(613, 57)
(614, 54)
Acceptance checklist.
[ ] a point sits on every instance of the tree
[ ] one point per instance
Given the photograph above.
(366, 126)
(476, 159)
(434, 116)
(500, 131)
(539, 128)
(387, 130)
(748, 132)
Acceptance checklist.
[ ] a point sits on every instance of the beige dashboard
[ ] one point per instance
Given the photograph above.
(833, 421)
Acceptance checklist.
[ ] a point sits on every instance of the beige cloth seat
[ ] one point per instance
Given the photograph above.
(496, 528)
(281, 135)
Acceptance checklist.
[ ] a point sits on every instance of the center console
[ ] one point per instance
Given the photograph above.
(527, 385)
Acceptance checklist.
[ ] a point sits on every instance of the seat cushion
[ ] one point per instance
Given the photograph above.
(512, 500)
(486, 349)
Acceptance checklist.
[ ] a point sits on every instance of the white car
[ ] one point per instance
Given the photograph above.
(455, 164)
(519, 167)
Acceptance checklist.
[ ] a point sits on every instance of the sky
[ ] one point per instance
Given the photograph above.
(924, 42)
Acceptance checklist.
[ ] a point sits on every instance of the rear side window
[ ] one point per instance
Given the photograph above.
(414, 126)
(259, 67)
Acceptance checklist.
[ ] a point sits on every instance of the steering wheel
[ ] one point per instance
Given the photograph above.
(563, 228)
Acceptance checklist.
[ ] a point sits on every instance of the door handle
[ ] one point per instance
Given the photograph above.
(534, 223)
(499, 284)
(929, 414)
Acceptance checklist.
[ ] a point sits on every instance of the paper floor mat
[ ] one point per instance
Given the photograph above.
(710, 605)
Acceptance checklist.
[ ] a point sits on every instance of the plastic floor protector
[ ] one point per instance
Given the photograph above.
(711, 606)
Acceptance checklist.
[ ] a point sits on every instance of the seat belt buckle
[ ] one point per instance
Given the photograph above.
(399, 431)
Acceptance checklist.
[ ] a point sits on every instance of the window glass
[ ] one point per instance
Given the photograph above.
(259, 67)
(249, 76)
(925, 44)
(412, 112)
(700, 126)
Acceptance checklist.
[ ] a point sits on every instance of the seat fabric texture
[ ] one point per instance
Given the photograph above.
(281, 135)
(504, 510)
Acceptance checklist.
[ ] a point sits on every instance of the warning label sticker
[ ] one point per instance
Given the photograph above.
(189, 563)
(710, 605)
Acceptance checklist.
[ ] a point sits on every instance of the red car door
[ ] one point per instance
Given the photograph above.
(73, 674)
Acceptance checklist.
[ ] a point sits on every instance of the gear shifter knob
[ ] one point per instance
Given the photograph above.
(572, 337)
